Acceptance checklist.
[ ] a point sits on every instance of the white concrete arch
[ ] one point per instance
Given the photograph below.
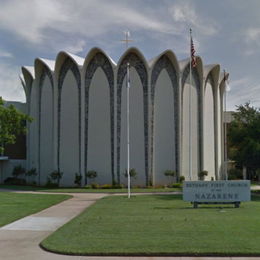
(191, 149)
(98, 81)
(210, 122)
(44, 75)
(138, 115)
(68, 76)
(28, 78)
(93, 52)
(164, 116)
(221, 107)
(135, 51)
(171, 55)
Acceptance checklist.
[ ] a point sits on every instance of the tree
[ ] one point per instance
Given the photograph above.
(12, 123)
(244, 137)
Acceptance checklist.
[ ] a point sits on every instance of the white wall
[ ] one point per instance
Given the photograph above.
(164, 129)
(34, 111)
(137, 152)
(194, 132)
(6, 168)
(46, 141)
(208, 131)
(69, 141)
(99, 135)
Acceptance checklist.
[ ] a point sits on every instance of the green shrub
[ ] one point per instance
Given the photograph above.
(106, 186)
(56, 177)
(235, 174)
(78, 179)
(31, 174)
(18, 170)
(132, 172)
(202, 175)
(182, 179)
(50, 184)
(118, 186)
(170, 173)
(14, 181)
(91, 174)
(94, 185)
(177, 185)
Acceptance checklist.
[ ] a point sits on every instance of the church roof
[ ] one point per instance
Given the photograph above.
(79, 60)
(55, 65)
(30, 70)
(49, 63)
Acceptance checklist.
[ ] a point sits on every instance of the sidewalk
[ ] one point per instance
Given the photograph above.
(20, 239)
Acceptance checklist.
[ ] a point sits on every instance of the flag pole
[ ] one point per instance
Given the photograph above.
(128, 135)
(190, 118)
(225, 126)
(127, 40)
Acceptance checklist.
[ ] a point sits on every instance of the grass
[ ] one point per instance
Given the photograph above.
(85, 190)
(14, 206)
(159, 225)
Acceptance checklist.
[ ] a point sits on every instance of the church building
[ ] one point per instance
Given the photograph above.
(79, 111)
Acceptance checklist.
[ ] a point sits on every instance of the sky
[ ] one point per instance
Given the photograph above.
(225, 32)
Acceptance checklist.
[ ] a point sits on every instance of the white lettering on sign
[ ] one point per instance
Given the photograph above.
(216, 191)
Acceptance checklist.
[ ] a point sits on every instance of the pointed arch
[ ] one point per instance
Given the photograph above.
(42, 71)
(97, 59)
(68, 64)
(136, 60)
(197, 75)
(167, 61)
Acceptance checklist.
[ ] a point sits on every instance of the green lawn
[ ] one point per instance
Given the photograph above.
(14, 206)
(159, 225)
(85, 190)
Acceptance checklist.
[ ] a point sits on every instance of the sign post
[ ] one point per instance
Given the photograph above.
(216, 192)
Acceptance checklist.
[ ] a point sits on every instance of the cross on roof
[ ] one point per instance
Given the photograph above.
(126, 40)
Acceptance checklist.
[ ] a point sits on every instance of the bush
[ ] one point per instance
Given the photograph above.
(78, 179)
(94, 186)
(132, 172)
(18, 170)
(14, 181)
(177, 185)
(50, 184)
(235, 174)
(182, 179)
(31, 172)
(106, 186)
(56, 177)
(169, 173)
(91, 174)
(202, 175)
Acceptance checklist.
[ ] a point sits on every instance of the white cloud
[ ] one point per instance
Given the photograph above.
(185, 15)
(5, 54)
(242, 91)
(251, 38)
(32, 20)
(10, 85)
(28, 18)
(77, 47)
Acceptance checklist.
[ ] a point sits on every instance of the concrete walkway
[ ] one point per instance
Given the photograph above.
(20, 239)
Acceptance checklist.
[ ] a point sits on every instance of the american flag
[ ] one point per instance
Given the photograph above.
(192, 52)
